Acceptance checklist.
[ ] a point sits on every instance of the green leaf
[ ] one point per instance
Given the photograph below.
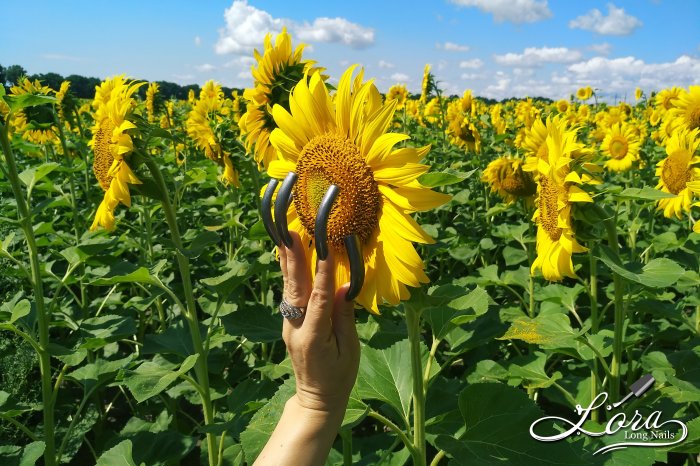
(203, 240)
(547, 331)
(18, 102)
(657, 273)
(531, 373)
(119, 455)
(386, 375)
(98, 372)
(125, 272)
(31, 176)
(260, 428)
(448, 177)
(646, 193)
(452, 306)
(254, 322)
(692, 442)
(226, 283)
(175, 339)
(32, 452)
(257, 231)
(151, 378)
(98, 331)
(356, 410)
(497, 420)
(20, 310)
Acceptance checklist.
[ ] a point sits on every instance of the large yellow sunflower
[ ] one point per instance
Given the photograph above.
(584, 93)
(680, 167)
(557, 188)
(685, 112)
(342, 140)
(621, 145)
(111, 143)
(464, 133)
(205, 115)
(278, 69)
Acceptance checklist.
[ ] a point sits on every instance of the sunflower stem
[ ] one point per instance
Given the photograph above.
(190, 310)
(413, 324)
(593, 295)
(43, 318)
(619, 320)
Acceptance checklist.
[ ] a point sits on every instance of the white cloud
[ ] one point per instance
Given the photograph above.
(473, 64)
(617, 23)
(601, 49)
(400, 77)
(471, 76)
(246, 27)
(533, 56)
(452, 47)
(197, 41)
(206, 67)
(514, 11)
(385, 64)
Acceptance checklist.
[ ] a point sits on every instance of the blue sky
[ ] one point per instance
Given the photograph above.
(497, 48)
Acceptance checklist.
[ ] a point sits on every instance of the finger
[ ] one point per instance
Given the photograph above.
(343, 319)
(297, 276)
(318, 313)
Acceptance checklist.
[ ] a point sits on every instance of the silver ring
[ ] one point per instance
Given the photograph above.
(291, 312)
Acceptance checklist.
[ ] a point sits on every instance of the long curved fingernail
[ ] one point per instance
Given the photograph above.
(321, 226)
(357, 266)
(284, 199)
(266, 210)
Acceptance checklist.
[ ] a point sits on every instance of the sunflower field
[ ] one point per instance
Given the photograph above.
(523, 260)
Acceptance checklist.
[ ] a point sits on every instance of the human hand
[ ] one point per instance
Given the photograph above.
(323, 343)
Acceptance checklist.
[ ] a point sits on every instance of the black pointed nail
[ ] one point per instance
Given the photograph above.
(266, 207)
(357, 266)
(321, 227)
(284, 199)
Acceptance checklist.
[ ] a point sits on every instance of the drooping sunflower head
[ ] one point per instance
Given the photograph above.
(205, 125)
(399, 93)
(621, 146)
(680, 167)
(557, 190)
(151, 92)
(342, 139)
(278, 69)
(506, 177)
(111, 143)
(665, 97)
(36, 124)
(638, 93)
(464, 133)
(427, 85)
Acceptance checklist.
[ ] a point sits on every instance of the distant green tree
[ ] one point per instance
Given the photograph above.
(53, 80)
(2, 75)
(83, 87)
(13, 73)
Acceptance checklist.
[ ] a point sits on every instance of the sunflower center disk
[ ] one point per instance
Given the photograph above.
(103, 154)
(675, 174)
(549, 213)
(332, 159)
(695, 117)
(618, 149)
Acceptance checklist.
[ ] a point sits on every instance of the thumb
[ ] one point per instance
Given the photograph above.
(343, 320)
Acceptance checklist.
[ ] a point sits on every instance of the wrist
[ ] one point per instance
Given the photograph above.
(324, 414)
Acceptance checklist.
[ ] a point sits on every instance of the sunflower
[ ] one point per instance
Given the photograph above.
(562, 105)
(151, 92)
(111, 144)
(278, 69)
(680, 167)
(685, 112)
(463, 133)
(342, 140)
(638, 93)
(584, 93)
(36, 124)
(399, 93)
(621, 145)
(425, 87)
(665, 98)
(557, 190)
(506, 177)
(205, 116)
